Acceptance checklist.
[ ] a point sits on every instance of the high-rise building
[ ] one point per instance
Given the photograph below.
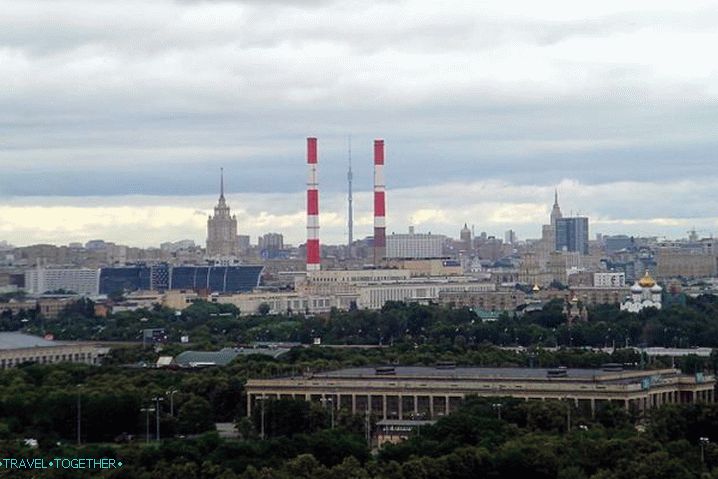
(222, 229)
(84, 281)
(465, 237)
(414, 245)
(548, 232)
(572, 234)
(510, 237)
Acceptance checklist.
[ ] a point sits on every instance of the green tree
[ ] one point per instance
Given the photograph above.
(195, 416)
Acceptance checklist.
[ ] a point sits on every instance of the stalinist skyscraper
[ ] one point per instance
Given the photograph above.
(548, 232)
(555, 211)
(222, 228)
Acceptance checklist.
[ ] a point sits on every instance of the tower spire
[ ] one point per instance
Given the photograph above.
(555, 196)
(221, 182)
(350, 212)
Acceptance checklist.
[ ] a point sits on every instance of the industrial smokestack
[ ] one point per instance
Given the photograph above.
(313, 256)
(379, 203)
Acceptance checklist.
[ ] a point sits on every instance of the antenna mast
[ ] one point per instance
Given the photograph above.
(350, 212)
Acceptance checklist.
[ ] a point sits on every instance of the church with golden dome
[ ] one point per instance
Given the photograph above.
(645, 293)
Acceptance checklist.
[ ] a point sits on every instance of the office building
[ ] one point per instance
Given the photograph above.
(572, 234)
(82, 281)
(680, 263)
(414, 245)
(609, 280)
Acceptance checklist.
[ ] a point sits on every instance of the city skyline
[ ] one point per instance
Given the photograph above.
(114, 124)
(182, 221)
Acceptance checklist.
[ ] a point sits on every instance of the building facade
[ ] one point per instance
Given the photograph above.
(572, 234)
(222, 230)
(428, 393)
(82, 281)
(18, 348)
(609, 280)
(414, 245)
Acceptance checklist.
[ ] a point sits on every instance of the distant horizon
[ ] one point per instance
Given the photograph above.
(176, 214)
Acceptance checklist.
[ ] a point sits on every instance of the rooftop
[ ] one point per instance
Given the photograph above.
(15, 340)
(223, 356)
(474, 373)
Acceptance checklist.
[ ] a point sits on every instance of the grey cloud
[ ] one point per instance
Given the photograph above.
(100, 100)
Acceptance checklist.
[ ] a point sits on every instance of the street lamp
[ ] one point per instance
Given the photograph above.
(497, 406)
(79, 415)
(261, 427)
(329, 401)
(171, 394)
(703, 441)
(157, 400)
(147, 410)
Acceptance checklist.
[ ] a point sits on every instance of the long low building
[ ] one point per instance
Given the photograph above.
(426, 392)
(18, 348)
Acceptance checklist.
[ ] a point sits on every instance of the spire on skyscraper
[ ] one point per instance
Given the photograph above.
(556, 210)
(350, 212)
(221, 182)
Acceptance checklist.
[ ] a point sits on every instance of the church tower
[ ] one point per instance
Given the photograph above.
(222, 228)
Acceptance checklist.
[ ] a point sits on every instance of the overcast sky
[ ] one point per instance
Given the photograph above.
(115, 117)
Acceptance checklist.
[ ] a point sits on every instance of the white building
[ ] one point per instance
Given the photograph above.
(376, 295)
(83, 281)
(358, 276)
(645, 293)
(414, 245)
(609, 280)
(282, 302)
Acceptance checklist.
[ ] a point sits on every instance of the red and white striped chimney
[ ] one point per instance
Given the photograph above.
(379, 203)
(313, 256)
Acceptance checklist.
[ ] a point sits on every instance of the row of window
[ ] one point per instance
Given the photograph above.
(51, 358)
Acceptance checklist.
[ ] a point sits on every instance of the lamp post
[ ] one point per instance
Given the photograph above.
(79, 415)
(157, 400)
(329, 401)
(171, 394)
(261, 424)
(147, 410)
(497, 406)
(703, 441)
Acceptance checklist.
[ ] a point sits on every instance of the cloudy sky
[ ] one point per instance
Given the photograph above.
(115, 117)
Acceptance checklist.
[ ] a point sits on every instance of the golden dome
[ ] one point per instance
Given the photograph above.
(647, 281)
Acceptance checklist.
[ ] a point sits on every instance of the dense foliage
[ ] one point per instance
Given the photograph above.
(530, 439)
(211, 325)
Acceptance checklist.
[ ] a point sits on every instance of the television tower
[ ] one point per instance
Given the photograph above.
(350, 212)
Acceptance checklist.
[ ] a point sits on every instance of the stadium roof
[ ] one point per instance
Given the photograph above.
(222, 357)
